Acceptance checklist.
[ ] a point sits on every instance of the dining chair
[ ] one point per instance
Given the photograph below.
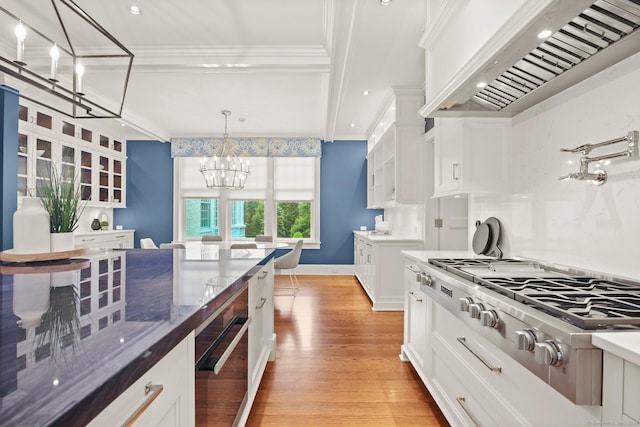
(289, 261)
(243, 246)
(147, 243)
(263, 238)
(211, 238)
(172, 246)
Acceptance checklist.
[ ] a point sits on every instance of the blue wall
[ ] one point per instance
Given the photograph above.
(343, 196)
(343, 202)
(9, 160)
(149, 192)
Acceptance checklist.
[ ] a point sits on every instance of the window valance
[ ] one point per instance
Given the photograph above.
(248, 147)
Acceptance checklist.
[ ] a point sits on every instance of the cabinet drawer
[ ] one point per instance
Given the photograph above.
(469, 401)
(504, 378)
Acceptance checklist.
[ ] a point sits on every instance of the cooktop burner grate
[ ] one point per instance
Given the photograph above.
(584, 301)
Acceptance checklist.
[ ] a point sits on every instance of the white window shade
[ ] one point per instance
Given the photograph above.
(294, 178)
(192, 183)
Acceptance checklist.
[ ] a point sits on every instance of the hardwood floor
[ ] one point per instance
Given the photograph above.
(337, 363)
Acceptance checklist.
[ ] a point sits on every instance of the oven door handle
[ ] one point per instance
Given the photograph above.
(223, 359)
(204, 363)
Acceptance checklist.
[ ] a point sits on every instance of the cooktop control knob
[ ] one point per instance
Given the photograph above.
(525, 340)
(548, 353)
(475, 309)
(464, 303)
(427, 280)
(489, 318)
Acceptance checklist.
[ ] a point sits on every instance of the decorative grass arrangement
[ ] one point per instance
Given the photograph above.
(60, 324)
(62, 200)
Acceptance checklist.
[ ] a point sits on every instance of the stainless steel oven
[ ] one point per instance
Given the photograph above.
(222, 363)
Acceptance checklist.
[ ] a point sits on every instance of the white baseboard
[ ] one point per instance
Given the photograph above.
(322, 269)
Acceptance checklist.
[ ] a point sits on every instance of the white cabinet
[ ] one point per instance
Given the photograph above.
(97, 162)
(475, 383)
(379, 268)
(262, 340)
(171, 397)
(396, 161)
(472, 155)
(112, 239)
(415, 317)
(620, 391)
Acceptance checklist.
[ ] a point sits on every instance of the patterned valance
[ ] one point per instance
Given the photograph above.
(248, 147)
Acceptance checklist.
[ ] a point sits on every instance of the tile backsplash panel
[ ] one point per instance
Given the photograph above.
(574, 222)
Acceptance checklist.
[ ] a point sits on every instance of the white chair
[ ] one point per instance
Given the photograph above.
(211, 238)
(172, 246)
(243, 246)
(289, 261)
(147, 243)
(263, 238)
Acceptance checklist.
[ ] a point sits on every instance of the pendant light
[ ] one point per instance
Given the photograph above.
(224, 171)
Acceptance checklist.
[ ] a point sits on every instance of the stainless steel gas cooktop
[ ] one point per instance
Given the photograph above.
(584, 301)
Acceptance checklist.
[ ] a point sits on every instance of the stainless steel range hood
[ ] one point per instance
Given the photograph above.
(526, 72)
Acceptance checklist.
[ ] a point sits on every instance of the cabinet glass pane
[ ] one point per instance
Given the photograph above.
(43, 149)
(23, 113)
(117, 146)
(22, 165)
(104, 195)
(117, 166)
(44, 120)
(22, 186)
(104, 164)
(86, 135)
(117, 181)
(68, 155)
(22, 143)
(68, 128)
(104, 141)
(86, 192)
(117, 196)
(104, 179)
(85, 159)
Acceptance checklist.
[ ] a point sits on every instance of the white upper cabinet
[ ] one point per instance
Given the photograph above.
(76, 149)
(472, 155)
(468, 42)
(395, 164)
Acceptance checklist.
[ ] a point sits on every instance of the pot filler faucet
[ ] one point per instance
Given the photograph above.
(599, 177)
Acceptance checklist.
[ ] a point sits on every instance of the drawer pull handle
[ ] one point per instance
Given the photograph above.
(262, 301)
(413, 268)
(456, 169)
(461, 402)
(416, 299)
(264, 274)
(463, 341)
(88, 240)
(120, 236)
(152, 392)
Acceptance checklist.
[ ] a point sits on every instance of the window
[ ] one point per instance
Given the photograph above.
(201, 217)
(293, 219)
(281, 198)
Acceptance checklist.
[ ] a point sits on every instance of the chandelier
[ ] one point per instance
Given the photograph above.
(224, 170)
(59, 49)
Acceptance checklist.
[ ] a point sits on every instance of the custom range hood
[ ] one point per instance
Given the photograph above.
(589, 37)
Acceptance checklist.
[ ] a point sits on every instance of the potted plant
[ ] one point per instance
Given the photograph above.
(62, 199)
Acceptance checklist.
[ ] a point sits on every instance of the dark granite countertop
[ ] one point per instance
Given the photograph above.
(74, 334)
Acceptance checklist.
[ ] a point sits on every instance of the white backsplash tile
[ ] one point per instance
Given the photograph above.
(574, 222)
(405, 220)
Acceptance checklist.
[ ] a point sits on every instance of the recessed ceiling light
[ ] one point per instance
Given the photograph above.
(365, 92)
(544, 34)
(481, 84)
(122, 124)
(385, 2)
(353, 125)
(135, 10)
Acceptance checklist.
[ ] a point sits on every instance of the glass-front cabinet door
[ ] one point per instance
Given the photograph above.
(111, 180)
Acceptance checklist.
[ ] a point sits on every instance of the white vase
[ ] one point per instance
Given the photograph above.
(31, 229)
(61, 242)
(30, 297)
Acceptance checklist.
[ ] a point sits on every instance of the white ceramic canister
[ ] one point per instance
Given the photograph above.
(31, 229)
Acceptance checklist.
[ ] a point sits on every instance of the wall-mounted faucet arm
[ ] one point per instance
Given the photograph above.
(631, 138)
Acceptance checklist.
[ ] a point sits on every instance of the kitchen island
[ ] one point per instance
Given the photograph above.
(77, 333)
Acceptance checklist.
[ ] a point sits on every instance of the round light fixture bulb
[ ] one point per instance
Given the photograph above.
(544, 34)
(135, 10)
(54, 52)
(365, 92)
(480, 85)
(20, 32)
(385, 2)
(79, 69)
